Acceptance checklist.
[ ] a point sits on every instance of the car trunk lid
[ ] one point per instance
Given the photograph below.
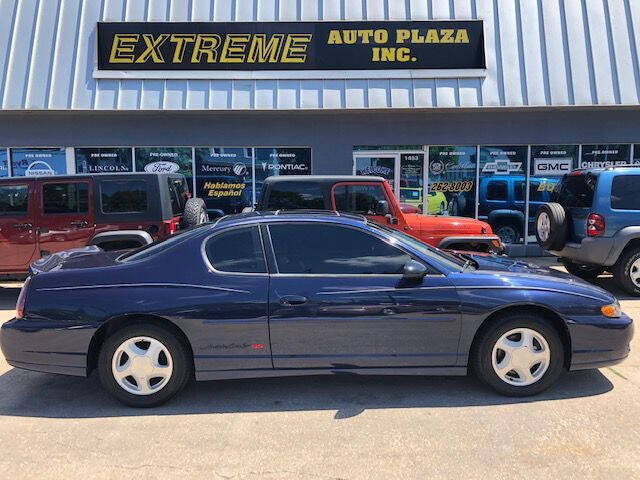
(85, 257)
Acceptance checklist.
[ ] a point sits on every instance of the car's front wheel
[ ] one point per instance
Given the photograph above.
(143, 365)
(584, 271)
(518, 355)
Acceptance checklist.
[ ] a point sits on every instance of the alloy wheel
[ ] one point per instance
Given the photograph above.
(634, 272)
(544, 226)
(142, 365)
(521, 357)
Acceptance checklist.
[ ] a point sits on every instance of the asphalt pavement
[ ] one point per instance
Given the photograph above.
(332, 427)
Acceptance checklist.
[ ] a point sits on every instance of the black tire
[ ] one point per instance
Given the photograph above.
(556, 236)
(624, 268)
(586, 272)
(195, 213)
(442, 210)
(480, 357)
(507, 231)
(181, 360)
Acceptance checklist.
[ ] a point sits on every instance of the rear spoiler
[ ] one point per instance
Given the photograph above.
(55, 260)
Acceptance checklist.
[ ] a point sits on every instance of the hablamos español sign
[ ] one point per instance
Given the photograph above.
(280, 46)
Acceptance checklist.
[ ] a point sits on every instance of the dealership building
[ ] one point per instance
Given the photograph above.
(467, 107)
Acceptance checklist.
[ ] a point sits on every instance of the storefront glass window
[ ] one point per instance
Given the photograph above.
(103, 160)
(601, 156)
(636, 154)
(165, 160)
(224, 179)
(502, 190)
(4, 164)
(280, 161)
(411, 179)
(379, 166)
(547, 166)
(35, 162)
(452, 180)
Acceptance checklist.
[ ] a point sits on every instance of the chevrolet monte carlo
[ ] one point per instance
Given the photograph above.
(294, 293)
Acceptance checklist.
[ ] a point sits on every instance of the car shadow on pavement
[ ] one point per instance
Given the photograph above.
(30, 394)
(8, 296)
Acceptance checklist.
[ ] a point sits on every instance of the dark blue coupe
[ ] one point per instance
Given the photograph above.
(271, 294)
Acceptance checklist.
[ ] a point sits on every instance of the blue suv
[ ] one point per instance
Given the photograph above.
(593, 224)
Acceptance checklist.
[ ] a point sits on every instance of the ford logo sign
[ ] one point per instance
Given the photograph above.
(162, 167)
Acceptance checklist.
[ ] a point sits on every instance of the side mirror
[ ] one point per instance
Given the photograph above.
(382, 208)
(414, 270)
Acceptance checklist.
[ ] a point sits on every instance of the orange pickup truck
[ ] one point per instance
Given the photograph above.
(373, 197)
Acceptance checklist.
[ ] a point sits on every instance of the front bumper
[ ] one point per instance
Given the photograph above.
(600, 341)
(44, 347)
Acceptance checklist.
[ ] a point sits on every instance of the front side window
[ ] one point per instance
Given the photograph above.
(307, 248)
(14, 199)
(362, 199)
(624, 192)
(296, 195)
(497, 190)
(123, 196)
(65, 198)
(238, 250)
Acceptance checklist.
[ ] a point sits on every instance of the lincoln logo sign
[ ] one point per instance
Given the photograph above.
(291, 45)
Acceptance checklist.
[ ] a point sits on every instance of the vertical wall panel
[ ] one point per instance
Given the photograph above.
(6, 30)
(462, 9)
(311, 94)
(379, 93)
(267, 10)
(375, 10)
(330, 9)
(624, 60)
(398, 9)
(311, 10)
(18, 69)
(419, 9)
(440, 10)
(288, 94)
(581, 74)
(135, 11)
(532, 52)
(333, 95)
(470, 92)
(354, 9)
(220, 94)
(492, 92)
(265, 94)
(601, 55)
(288, 10)
(130, 94)
(355, 93)
(223, 10)
(424, 93)
(65, 54)
(401, 93)
(634, 17)
(113, 10)
(555, 49)
(446, 90)
(41, 58)
(242, 94)
(509, 47)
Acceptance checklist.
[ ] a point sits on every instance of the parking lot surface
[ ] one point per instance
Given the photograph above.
(329, 427)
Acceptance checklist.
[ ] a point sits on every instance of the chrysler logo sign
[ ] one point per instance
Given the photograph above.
(555, 166)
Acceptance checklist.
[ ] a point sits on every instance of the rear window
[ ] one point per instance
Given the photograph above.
(14, 199)
(362, 199)
(65, 198)
(123, 196)
(576, 191)
(178, 193)
(624, 192)
(295, 195)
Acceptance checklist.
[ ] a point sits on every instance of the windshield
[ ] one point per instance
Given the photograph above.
(160, 245)
(430, 253)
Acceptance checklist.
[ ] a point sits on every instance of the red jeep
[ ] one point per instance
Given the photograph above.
(44, 215)
(373, 197)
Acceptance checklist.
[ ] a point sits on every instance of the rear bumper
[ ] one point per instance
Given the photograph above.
(33, 346)
(600, 342)
(595, 251)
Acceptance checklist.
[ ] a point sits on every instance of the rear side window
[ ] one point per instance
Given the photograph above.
(123, 196)
(237, 251)
(624, 192)
(14, 199)
(65, 198)
(333, 249)
(576, 191)
(362, 199)
(295, 195)
(497, 191)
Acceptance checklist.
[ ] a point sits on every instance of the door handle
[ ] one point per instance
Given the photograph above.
(23, 226)
(292, 300)
(79, 224)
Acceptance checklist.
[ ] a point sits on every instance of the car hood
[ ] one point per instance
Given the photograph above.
(444, 223)
(76, 258)
(502, 270)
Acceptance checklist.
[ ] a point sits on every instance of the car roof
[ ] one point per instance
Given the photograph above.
(614, 169)
(324, 179)
(120, 175)
(290, 216)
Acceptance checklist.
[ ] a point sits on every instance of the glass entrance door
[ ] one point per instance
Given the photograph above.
(386, 166)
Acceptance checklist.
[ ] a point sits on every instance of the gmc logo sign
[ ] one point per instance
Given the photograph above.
(556, 166)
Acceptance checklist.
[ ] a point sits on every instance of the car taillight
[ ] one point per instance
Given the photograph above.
(22, 298)
(169, 227)
(595, 225)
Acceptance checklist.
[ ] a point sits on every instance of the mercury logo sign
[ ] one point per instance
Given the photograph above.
(555, 166)
(240, 169)
(39, 168)
(162, 167)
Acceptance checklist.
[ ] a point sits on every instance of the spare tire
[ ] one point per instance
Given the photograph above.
(551, 226)
(195, 213)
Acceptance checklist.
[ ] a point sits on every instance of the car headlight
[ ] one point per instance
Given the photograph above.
(612, 311)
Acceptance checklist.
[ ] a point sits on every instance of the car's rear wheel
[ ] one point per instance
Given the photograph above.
(586, 272)
(518, 354)
(143, 365)
(507, 232)
(626, 271)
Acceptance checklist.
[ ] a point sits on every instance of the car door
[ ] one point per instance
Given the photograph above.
(66, 218)
(17, 229)
(338, 300)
